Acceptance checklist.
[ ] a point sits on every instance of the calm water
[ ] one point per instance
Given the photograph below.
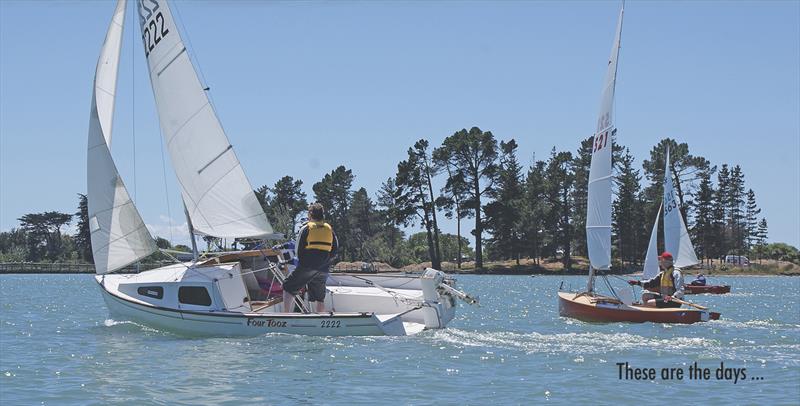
(57, 346)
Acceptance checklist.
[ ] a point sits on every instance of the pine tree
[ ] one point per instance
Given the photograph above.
(722, 213)
(474, 159)
(534, 211)
(762, 232)
(44, 234)
(391, 219)
(580, 167)
(751, 219)
(503, 215)
(736, 203)
(364, 223)
(703, 231)
(627, 211)
(685, 167)
(334, 193)
(284, 204)
(416, 199)
(83, 238)
(560, 180)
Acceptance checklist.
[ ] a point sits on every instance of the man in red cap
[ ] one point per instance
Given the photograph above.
(663, 287)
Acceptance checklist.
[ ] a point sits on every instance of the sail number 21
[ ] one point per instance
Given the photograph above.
(600, 141)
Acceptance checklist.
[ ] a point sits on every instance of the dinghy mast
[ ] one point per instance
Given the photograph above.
(119, 236)
(598, 210)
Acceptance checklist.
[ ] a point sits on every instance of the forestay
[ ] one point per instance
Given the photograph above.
(676, 236)
(598, 210)
(119, 236)
(217, 194)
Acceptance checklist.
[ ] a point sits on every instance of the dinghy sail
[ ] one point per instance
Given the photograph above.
(119, 236)
(217, 194)
(651, 258)
(676, 236)
(598, 210)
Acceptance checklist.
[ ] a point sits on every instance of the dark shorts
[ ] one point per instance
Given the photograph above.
(314, 278)
(660, 303)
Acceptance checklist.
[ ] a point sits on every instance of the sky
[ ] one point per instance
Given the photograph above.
(302, 87)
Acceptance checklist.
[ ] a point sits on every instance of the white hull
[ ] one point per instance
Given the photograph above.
(357, 310)
(242, 324)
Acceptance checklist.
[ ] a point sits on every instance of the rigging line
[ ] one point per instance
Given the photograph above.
(193, 53)
(133, 99)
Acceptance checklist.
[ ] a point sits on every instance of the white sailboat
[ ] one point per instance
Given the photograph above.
(589, 305)
(224, 295)
(676, 237)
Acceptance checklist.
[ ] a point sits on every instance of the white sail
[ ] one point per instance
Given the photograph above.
(119, 236)
(676, 237)
(651, 258)
(598, 210)
(217, 194)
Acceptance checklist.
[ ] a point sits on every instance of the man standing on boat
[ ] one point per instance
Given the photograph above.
(664, 286)
(316, 247)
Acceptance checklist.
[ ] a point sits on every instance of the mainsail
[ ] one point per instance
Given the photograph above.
(651, 258)
(598, 210)
(676, 236)
(217, 194)
(119, 236)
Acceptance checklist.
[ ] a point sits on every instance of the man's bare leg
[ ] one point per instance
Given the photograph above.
(320, 307)
(288, 302)
(648, 298)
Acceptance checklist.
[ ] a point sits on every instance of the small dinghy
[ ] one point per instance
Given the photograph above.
(619, 307)
(604, 309)
(713, 289)
(223, 295)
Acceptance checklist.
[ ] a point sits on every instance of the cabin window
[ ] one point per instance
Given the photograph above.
(194, 295)
(156, 292)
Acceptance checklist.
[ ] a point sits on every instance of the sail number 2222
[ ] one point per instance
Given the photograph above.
(153, 30)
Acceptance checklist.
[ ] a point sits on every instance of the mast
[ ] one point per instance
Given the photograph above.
(192, 236)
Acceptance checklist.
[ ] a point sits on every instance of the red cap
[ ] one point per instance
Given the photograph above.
(666, 255)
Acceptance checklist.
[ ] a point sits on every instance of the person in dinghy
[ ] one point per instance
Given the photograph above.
(700, 280)
(316, 248)
(659, 291)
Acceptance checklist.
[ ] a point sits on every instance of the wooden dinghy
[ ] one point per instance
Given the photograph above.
(714, 289)
(604, 309)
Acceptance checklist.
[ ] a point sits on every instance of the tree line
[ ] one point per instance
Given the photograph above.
(514, 211)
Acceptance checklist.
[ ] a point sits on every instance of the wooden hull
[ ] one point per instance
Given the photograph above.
(714, 289)
(595, 309)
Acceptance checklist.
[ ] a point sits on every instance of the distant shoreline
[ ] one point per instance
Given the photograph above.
(782, 269)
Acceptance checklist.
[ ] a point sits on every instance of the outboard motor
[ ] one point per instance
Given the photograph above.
(434, 310)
